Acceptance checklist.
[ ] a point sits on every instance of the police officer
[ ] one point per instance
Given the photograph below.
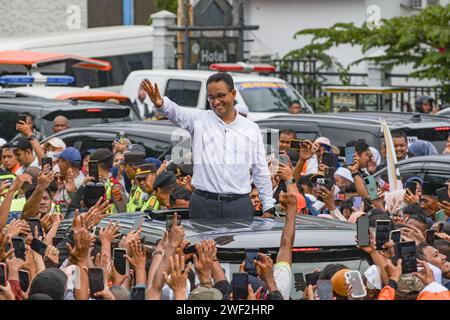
(132, 159)
(145, 176)
(114, 191)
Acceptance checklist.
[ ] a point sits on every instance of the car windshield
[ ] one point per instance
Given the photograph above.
(304, 268)
(270, 96)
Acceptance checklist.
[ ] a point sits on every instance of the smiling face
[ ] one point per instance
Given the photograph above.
(437, 259)
(221, 98)
(401, 147)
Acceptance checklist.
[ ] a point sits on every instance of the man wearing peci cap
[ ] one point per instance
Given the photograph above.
(145, 177)
(132, 160)
(115, 192)
(428, 200)
(164, 184)
(227, 150)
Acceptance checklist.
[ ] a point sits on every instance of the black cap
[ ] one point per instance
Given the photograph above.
(314, 177)
(429, 189)
(137, 148)
(51, 282)
(165, 179)
(134, 157)
(21, 144)
(145, 169)
(101, 155)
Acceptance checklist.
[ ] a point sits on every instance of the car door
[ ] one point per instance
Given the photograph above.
(185, 93)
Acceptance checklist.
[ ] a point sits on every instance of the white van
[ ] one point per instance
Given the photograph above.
(127, 48)
(264, 96)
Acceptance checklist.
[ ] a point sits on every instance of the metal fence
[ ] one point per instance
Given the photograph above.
(303, 75)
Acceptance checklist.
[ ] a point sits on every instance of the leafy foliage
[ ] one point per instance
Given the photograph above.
(421, 40)
(169, 5)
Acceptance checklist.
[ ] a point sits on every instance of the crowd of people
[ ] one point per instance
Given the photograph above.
(51, 182)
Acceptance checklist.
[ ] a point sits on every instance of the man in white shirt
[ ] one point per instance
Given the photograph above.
(226, 147)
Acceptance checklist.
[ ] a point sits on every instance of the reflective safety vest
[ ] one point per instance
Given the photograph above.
(18, 204)
(11, 177)
(109, 183)
(136, 201)
(151, 204)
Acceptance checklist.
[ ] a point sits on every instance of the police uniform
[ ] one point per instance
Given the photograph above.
(149, 202)
(135, 157)
(114, 191)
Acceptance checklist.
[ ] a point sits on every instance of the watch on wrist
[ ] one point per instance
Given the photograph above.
(356, 173)
(392, 283)
(32, 137)
(271, 210)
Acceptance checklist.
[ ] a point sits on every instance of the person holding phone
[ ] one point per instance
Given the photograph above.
(221, 183)
(429, 201)
(23, 151)
(114, 191)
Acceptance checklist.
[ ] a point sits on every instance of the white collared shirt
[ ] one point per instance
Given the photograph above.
(224, 154)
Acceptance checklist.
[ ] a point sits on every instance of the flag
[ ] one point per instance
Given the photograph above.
(391, 158)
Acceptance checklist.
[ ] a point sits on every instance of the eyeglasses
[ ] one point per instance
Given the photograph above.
(219, 96)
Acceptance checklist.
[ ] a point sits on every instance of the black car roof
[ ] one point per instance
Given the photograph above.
(262, 233)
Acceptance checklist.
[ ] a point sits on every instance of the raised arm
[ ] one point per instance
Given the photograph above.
(182, 117)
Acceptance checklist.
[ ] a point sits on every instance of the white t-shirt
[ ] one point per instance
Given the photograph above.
(283, 278)
(35, 163)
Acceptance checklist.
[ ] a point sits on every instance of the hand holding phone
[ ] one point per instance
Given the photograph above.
(324, 290)
(120, 262)
(349, 152)
(429, 237)
(383, 229)
(36, 222)
(46, 161)
(96, 282)
(24, 280)
(354, 279)
(357, 203)
(250, 257)
(3, 274)
(93, 170)
(19, 247)
(363, 229)
(240, 286)
(38, 246)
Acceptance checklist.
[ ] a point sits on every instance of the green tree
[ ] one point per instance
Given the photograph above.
(421, 40)
(169, 5)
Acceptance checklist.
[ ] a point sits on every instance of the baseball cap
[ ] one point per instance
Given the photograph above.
(338, 282)
(21, 144)
(202, 293)
(101, 154)
(56, 142)
(134, 157)
(157, 162)
(326, 141)
(70, 154)
(2, 142)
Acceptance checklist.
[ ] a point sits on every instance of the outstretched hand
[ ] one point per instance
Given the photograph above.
(153, 93)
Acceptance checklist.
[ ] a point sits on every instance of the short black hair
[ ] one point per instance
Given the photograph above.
(420, 218)
(399, 134)
(221, 76)
(330, 269)
(413, 209)
(294, 102)
(420, 251)
(288, 132)
(179, 193)
(360, 146)
(443, 247)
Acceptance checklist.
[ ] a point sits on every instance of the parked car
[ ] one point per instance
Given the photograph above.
(158, 137)
(435, 169)
(45, 110)
(444, 112)
(264, 96)
(343, 127)
(318, 241)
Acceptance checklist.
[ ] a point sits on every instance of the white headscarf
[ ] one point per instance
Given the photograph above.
(376, 155)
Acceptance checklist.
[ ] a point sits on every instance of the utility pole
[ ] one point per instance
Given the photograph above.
(180, 35)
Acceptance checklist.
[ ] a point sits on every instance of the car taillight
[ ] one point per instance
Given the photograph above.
(94, 110)
(442, 129)
(305, 249)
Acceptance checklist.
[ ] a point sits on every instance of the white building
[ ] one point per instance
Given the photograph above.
(279, 20)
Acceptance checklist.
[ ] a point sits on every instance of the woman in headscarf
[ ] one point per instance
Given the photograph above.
(374, 161)
(422, 148)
